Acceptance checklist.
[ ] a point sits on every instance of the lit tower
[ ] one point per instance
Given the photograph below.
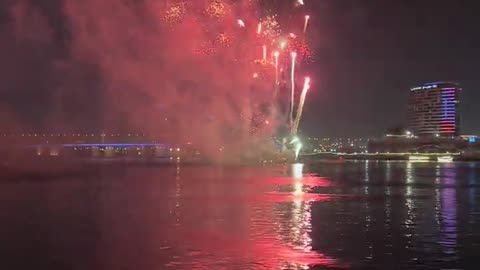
(433, 109)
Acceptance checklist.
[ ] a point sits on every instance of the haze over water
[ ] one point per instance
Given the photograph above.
(354, 215)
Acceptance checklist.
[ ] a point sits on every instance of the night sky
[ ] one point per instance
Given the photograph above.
(367, 56)
(374, 51)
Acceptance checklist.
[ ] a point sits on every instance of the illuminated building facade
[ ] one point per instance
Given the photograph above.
(433, 109)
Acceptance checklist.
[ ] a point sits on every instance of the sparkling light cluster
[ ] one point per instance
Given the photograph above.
(215, 9)
(174, 14)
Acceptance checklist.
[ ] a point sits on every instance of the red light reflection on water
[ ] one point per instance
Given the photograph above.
(265, 253)
(308, 180)
(277, 197)
(275, 233)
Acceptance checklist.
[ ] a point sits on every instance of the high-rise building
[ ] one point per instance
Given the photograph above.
(433, 109)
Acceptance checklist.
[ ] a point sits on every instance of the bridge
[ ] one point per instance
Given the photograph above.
(108, 149)
(116, 145)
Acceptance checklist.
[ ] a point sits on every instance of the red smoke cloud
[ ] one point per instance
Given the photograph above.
(187, 78)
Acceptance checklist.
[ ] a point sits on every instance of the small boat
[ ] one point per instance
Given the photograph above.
(445, 159)
(419, 158)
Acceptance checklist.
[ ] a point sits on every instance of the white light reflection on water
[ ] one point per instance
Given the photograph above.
(367, 176)
(409, 202)
(297, 170)
(438, 206)
(301, 213)
(388, 177)
(388, 192)
(368, 218)
(178, 194)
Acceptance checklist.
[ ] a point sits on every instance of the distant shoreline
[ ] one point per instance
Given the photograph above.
(392, 157)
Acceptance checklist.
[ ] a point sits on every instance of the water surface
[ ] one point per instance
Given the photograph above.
(352, 215)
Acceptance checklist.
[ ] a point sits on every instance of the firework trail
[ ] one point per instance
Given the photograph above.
(306, 87)
(259, 28)
(292, 79)
(276, 54)
(264, 58)
(305, 26)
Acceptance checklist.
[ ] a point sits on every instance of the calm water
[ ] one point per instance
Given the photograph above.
(354, 215)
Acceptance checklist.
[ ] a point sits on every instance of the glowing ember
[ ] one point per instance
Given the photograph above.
(241, 23)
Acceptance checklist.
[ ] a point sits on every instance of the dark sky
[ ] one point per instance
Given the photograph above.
(367, 55)
(375, 50)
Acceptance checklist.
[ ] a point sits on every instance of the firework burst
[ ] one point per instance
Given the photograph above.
(259, 50)
(215, 9)
(271, 28)
(224, 40)
(175, 13)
